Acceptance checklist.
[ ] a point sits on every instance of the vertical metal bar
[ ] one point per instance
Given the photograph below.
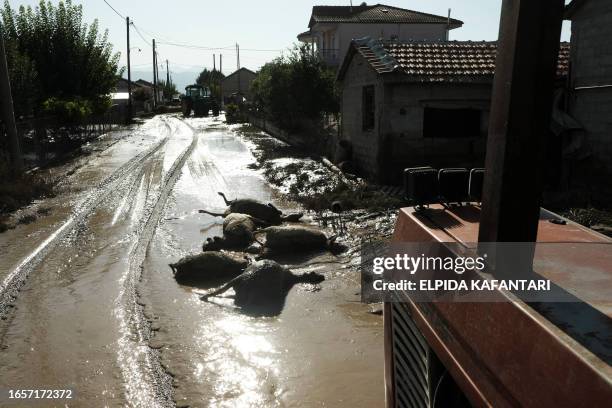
(520, 115)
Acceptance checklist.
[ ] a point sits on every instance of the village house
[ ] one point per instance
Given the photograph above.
(121, 95)
(238, 83)
(419, 103)
(590, 89)
(148, 89)
(332, 28)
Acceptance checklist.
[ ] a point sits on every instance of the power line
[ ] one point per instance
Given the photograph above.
(115, 10)
(207, 48)
(148, 42)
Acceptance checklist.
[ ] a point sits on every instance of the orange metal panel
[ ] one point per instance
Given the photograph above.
(508, 354)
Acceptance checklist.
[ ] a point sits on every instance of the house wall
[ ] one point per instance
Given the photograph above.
(591, 79)
(233, 84)
(364, 142)
(402, 142)
(397, 141)
(340, 37)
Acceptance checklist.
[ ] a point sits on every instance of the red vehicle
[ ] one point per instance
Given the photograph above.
(509, 353)
(504, 353)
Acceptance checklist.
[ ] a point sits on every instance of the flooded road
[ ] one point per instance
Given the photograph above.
(89, 303)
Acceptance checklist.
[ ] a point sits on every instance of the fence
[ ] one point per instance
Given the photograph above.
(46, 139)
(314, 137)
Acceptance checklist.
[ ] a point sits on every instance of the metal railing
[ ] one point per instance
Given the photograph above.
(331, 56)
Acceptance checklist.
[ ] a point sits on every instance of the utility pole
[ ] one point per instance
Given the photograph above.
(237, 56)
(154, 75)
(129, 69)
(8, 114)
(167, 74)
(238, 67)
(214, 62)
(221, 78)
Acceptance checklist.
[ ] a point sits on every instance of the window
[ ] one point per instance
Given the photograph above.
(368, 107)
(451, 123)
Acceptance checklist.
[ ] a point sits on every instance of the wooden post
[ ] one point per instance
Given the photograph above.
(8, 113)
(526, 64)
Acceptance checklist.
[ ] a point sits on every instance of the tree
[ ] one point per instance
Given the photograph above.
(211, 79)
(56, 56)
(298, 86)
(169, 89)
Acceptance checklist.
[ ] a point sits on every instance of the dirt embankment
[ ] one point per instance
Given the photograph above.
(20, 198)
(351, 207)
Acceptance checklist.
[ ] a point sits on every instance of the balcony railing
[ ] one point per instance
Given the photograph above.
(331, 56)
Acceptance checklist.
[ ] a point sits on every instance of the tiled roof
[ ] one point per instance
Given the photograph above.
(449, 61)
(378, 13)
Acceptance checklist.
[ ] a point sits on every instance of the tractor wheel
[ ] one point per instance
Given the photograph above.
(215, 111)
(186, 108)
(205, 113)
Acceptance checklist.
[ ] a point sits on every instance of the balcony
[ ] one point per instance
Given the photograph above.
(331, 56)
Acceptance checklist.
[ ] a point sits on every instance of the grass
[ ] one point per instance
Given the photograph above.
(351, 198)
(20, 192)
(589, 216)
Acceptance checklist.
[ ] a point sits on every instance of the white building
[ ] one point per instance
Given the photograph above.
(332, 28)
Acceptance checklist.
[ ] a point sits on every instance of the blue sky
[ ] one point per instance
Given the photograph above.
(255, 25)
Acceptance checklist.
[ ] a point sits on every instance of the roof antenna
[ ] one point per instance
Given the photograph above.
(448, 25)
(351, 6)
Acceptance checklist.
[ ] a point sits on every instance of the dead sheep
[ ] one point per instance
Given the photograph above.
(209, 267)
(238, 233)
(263, 287)
(265, 212)
(297, 238)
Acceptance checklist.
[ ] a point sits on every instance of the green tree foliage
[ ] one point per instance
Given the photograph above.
(56, 58)
(298, 86)
(169, 89)
(212, 80)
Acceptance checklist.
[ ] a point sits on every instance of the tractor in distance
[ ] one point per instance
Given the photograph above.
(200, 100)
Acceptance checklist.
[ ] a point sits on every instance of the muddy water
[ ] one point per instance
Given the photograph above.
(100, 313)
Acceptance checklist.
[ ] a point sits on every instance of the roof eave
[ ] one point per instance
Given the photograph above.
(572, 8)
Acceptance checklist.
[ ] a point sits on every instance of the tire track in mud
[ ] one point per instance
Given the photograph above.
(146, 382)
(12, 283)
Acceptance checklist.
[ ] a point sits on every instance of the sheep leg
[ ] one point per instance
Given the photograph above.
(214, 214)
(227, 202)
(221, 290)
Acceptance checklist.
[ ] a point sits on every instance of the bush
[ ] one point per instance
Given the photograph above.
(296, 87)
(233, 113)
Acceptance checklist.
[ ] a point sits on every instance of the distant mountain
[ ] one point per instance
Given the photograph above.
(181, 79)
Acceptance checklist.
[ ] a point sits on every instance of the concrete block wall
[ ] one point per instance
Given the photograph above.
(402, 126)
(591, 80)
(364, 142)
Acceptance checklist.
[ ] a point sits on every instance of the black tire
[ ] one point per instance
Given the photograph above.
(215, 112)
